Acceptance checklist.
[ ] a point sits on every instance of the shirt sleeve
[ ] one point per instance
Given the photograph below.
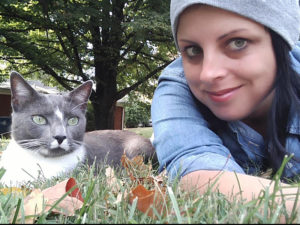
(295, 57)
(182, 139)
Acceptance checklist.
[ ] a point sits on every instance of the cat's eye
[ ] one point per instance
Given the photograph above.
(73, 121)
(40, 120)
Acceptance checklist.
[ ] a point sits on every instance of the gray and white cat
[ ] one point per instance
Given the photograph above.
(49, 138)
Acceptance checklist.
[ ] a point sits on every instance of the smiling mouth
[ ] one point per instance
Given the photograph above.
(223, 95)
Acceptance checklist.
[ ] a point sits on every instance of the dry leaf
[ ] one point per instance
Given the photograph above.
(111, 180)
(34, 204)
(136, 169)
(75, 193)
(120, 197)
(70, 203)
(161, 177)
(146, 199)
(42, 201)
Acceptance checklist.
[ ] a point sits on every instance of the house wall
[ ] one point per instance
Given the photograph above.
(5, 111)
(119, 118)
(5, 108)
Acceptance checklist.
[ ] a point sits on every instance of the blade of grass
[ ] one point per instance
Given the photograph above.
(174, 203)
(2, 171)
(17, 211)
(132, 208)
(275, 215)
(86, 200)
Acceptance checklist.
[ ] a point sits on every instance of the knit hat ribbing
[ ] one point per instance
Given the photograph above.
(282, 16)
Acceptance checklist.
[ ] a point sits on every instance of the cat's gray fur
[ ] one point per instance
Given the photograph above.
(54, 144)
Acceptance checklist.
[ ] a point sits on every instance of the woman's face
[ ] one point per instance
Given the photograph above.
(228, 61)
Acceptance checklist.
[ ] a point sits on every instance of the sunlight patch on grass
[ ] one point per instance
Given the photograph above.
(144, 131)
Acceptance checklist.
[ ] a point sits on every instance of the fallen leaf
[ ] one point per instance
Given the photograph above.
(111, 180)
(75, 193)
(136, 169)
(120, 197)
(69, 204)
(42, 201)
(146, 199)
(33, 205)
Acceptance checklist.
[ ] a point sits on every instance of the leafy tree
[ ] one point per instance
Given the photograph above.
(121, 45)
(136, 110)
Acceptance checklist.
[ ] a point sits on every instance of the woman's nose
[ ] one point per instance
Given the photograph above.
(213, 67)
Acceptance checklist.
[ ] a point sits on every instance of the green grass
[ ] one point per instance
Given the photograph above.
(102, 205)
(3, 143)
(144, 131)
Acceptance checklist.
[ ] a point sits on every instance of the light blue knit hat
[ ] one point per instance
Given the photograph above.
(282, 16)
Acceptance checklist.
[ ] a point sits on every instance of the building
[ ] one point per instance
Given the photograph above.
(5, 106)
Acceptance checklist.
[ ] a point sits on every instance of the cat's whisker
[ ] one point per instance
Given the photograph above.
(78, 143)
(32, 144)
(9, 132)
(5, 133)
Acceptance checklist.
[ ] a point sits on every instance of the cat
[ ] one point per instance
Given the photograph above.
(49, 138)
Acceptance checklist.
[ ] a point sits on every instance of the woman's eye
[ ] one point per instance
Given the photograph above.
(40, 120)
(73, 121)
(193, 51)
(237, 44)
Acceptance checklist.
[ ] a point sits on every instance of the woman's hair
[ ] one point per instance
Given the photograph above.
(286, 103)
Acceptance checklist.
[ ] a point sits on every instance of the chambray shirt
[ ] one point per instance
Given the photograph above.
(184, 142)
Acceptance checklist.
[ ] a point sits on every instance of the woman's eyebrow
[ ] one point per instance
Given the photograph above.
(230, 33)
(187, 41)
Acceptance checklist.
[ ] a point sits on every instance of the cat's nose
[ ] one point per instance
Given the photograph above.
(60, 138)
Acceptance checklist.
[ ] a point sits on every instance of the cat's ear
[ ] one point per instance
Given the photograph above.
(81, 94)
(21, 91)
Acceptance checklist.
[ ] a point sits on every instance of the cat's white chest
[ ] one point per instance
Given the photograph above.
(24, 165)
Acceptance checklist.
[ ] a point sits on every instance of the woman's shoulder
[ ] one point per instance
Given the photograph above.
(295, 57)
(173, 71)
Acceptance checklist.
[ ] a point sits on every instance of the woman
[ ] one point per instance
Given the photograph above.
(230, 103)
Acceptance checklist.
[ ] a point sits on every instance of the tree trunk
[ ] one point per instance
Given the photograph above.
(106, 92)
(104, 116)
(107, 45)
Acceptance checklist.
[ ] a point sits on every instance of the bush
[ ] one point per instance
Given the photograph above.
(137, 113)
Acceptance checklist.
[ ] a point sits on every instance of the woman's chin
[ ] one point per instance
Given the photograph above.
(229, 116)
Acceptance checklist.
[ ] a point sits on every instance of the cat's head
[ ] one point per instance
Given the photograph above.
(49, 124)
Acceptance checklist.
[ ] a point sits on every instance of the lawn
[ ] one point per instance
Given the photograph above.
(108, 201)
(144, 131)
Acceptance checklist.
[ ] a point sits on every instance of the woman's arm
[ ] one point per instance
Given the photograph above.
(240, 185)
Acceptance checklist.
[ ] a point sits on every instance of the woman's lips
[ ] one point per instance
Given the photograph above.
(222, 95)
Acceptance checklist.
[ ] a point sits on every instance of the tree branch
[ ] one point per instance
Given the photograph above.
(125, 91)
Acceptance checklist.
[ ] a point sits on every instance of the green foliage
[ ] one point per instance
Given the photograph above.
(136, 112)
(120, 45)
(90, 118)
